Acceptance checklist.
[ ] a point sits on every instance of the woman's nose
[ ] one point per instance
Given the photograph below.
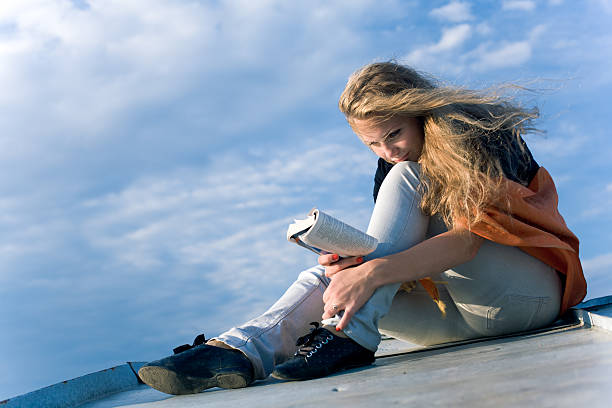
(389, 150)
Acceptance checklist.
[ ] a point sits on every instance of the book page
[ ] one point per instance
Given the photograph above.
(335, 236)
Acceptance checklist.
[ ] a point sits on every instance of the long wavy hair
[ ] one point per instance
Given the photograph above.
(459, 174)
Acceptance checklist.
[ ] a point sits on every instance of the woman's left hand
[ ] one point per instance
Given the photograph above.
(349, 289)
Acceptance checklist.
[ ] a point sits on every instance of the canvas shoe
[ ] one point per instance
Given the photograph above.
(196, 368)
(321, 353)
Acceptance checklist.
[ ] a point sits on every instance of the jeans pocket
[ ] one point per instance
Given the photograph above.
(517, 313)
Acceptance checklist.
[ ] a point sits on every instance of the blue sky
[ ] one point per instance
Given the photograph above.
(153, 152)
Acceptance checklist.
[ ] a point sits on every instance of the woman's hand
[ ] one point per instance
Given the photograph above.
(349, 289)
(334, 264)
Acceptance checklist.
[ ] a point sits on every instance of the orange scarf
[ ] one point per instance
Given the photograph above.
(528, 218)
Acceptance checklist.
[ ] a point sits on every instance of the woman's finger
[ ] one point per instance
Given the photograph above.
(328, 259)
(348, 313)
(330, 271)
(330, 310)
(327, 315)
(342, 264)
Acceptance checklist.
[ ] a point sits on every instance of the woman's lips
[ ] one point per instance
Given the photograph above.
(404, 158)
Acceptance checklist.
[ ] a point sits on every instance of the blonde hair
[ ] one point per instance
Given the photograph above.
(460, 173)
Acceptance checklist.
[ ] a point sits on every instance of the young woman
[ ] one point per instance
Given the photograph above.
(462, 208)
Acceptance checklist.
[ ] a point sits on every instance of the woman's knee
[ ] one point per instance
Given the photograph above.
(406, 174)
(400, 190)
(315, 275)
(397, 220)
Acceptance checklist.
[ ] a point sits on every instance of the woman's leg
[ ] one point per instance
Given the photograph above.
(270, 339)
(398, 223)
(415, 318)
(504, 290)
(245, 353)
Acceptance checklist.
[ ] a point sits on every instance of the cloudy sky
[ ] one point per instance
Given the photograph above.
(152, 152)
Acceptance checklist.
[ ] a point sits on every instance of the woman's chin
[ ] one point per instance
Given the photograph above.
(403, 159)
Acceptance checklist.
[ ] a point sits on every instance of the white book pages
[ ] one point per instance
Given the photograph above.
(323, 233)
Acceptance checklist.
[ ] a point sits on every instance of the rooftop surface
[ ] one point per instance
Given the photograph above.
(568, 364)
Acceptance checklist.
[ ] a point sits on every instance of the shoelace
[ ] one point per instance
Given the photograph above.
(200, 339)
(313, 341)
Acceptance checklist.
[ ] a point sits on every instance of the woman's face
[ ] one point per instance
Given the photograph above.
(394, 140)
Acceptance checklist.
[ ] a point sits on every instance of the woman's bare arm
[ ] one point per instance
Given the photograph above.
(350, 288)
(425, 259)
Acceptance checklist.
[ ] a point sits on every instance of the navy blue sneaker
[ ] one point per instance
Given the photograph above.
(321, 353)
(196, 368)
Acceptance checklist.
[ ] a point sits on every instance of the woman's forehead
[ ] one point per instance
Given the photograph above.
(375, 129)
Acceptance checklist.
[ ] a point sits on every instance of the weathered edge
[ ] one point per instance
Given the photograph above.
(71, 393)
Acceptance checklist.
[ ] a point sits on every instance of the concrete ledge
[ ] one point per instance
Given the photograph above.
(594, 319)
(596, 312)
(80, 390)
(603, 322)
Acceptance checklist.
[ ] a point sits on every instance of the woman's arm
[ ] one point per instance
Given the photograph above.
(350, 288)
(428, 258)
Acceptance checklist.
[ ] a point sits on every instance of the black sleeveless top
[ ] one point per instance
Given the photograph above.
(518, 166)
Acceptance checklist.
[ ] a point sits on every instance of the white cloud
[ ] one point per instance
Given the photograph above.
(565, 44)
(455, 12)
(563, 144)
(449, 53)
(537, 32)
(598, 265)
(506, 55)
(599, 202)
(92, 70)
(484, 28)
(523, 5)
(452, 38)
(85, 66)
(198, 215)
(597, 273)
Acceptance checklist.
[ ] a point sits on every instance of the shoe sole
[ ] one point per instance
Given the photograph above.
(279, 376)
(170, 382)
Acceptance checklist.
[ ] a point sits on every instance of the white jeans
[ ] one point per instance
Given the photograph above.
(502, 290)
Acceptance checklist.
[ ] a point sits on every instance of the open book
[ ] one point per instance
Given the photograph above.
(322, 233)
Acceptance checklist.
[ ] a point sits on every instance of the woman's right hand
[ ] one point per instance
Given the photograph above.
(334, 264)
